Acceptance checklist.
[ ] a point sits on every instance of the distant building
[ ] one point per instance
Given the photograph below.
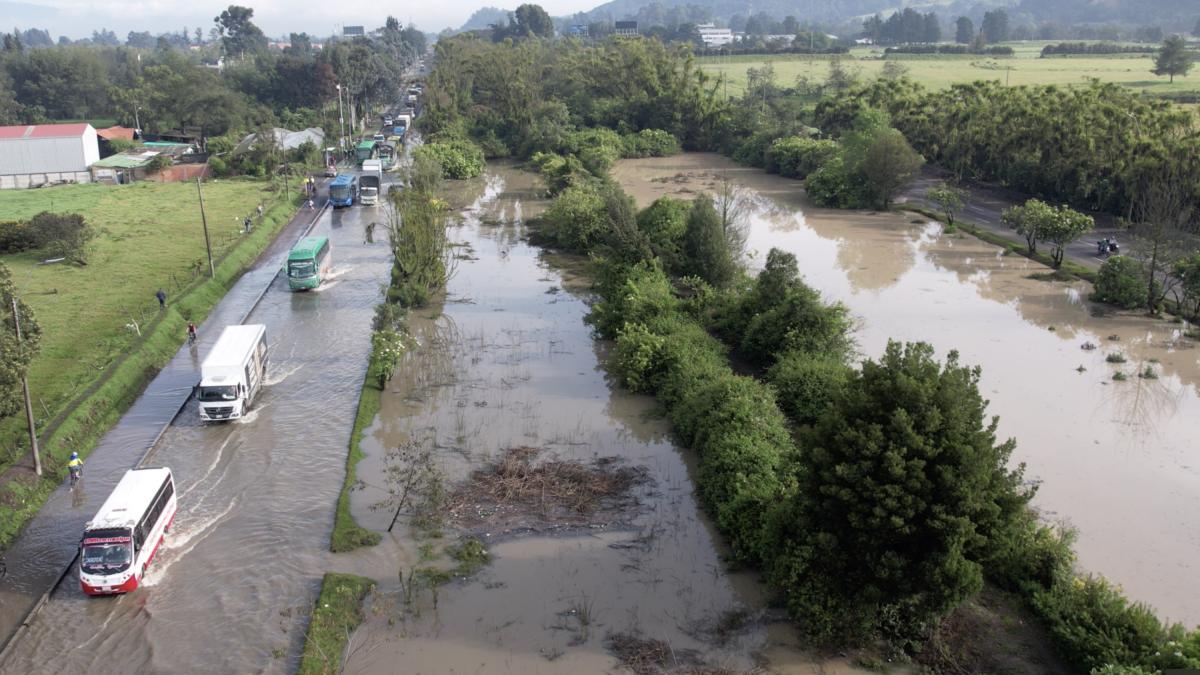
(578, 30)
(712, 36)
(43, 154)
(626, 28)
(352, 31)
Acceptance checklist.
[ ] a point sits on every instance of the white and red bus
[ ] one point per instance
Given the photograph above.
(119, 543)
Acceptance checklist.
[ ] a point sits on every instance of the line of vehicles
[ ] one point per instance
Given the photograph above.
(120, 541)
(375, 156)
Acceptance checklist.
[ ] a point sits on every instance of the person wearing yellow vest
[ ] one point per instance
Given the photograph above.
(75, 466)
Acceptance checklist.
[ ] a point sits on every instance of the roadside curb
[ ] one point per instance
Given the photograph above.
(12, 640)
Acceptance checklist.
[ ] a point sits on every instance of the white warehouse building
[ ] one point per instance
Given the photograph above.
(42, 154)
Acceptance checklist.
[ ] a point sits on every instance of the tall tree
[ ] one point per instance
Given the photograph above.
(706, 253)
(932, 28)
(964, 30)
(1164, 225)
(995, 26)
(901, 492)
(888, 163)
(238, 33)
(1173, 58)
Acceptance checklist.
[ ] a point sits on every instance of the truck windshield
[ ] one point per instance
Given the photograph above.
(106, 558)
(226, 393)
(301, 269)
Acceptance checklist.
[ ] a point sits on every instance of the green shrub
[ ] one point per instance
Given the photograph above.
(638, 357)
(807, 384)
(1120, 282)
(649, 143)
(16, 237)
(835, 186)
(576, 220)
(753, 150)
(597, 148)
(664, 223)
(1094, 625)
(219, 167)
(459, 158)
(558, 172)
(799, 156)
(640, 294)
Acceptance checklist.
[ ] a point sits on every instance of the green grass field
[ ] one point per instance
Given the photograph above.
(148, 236)
(941, 71)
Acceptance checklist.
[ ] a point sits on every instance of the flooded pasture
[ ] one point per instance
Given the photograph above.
(1118, 460)
(506, 361)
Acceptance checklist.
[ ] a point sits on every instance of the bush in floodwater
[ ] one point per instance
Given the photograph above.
(1120, 282)
(1115, 357)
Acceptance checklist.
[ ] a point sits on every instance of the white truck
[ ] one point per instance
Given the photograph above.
(371, 181)
(233, 372)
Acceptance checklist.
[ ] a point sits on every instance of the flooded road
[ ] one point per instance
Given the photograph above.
(1119, 460)
(231, 586)
(508, 361)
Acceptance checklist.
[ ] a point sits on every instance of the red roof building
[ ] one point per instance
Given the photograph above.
(46, 153)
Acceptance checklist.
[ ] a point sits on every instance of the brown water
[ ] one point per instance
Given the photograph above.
(508, 361)
(1120, 461)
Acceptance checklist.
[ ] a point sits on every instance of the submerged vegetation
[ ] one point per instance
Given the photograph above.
(874, 499)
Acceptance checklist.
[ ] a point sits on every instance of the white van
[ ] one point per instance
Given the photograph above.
(233, 372)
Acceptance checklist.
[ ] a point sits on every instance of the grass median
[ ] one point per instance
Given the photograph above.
(337, 613)
(92, 365)
(347, 534)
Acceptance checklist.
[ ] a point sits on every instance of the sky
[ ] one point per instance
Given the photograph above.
(78, 18)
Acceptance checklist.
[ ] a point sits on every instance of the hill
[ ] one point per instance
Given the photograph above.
(484, 17)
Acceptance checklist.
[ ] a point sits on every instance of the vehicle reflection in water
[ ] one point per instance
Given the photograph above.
(1116, 459)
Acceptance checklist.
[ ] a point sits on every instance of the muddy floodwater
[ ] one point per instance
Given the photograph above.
(507, 361)
(1118, 460)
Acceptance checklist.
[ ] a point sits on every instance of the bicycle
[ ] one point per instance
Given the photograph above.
(76, 474)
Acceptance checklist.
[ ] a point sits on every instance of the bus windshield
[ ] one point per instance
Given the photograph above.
(339, 191)
(225, 393)
(298, 269)
(106, 556)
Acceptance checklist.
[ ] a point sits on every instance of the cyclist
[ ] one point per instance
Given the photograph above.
(191, 333)
(75, 466)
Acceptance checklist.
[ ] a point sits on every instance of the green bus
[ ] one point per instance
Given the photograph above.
(309, 263)
(364, 150)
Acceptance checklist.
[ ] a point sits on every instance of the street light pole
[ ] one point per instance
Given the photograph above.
(341, 122)
(33, 441)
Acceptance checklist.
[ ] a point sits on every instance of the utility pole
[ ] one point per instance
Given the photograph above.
(212, 271)
(341, 121)
(33, 442)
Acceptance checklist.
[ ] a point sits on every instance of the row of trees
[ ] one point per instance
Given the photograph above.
(165, 88)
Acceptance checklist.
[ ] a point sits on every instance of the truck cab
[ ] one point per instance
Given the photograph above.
(232, 373)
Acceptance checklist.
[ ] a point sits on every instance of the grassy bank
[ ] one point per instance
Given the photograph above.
(148, 236)
(347, 534)
(337, 613)
(86, 411)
